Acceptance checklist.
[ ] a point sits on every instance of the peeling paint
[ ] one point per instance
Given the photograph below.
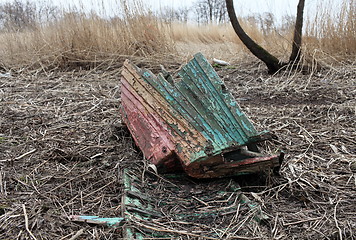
(193, 117)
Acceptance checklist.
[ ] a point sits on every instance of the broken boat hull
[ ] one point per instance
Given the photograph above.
(190, 122)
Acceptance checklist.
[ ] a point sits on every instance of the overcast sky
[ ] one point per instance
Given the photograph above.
(242, 7)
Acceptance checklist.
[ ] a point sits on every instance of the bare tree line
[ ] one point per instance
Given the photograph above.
(202, 12)
(25, 14)
(215, 12)
(20, 15)
(210, 11)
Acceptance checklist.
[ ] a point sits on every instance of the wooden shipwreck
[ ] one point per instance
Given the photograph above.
(190, 121)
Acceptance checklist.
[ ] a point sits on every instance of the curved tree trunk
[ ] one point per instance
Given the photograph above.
(297, 39)
(273, 64)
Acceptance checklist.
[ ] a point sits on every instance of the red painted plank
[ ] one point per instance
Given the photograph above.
(147, 129)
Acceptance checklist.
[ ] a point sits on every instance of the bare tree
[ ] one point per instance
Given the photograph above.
(287, 24)
(169, 14)
(272, 63)
(181, 14)
(267, 22)
(210, 11)
(297, 40)
(46, 13)
(18, 15)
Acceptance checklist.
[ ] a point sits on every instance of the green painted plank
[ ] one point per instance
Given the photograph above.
(243, 122)
(199, 103)
(158, 105)
(189, 132)
(214, 90)
(192, 77)
(185, 108)
(176, 100)
(199, 98)
(203, 103)
(220, 105)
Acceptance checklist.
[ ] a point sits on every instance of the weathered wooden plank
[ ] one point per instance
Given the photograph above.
(128, 231)
(243, 124)
(193, 140)
(200, 103)
(110, 222)
(167, 117)
(192, 119)
(147, 131)
(213, 83)
(159, 104)
(196, 81)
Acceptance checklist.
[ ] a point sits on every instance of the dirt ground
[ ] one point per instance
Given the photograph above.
(62, 151)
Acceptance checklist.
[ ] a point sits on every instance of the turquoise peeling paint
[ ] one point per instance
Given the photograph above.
(178, 102)
(150, 77)
(199, 103)
(199, 97)
(219, 107)
(202, 101)
(217, 82)
(110, 222)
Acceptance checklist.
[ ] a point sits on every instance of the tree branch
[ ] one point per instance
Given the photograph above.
(297, 39)
(273, 64)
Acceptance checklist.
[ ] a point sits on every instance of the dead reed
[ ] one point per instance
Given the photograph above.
(77, 39)
(331, 35)
(87, 40)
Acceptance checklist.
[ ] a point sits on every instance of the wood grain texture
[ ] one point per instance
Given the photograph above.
(193, 119)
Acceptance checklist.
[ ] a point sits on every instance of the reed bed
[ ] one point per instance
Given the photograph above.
(76, 39)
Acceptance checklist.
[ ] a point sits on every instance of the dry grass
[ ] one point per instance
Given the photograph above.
(212, 33)
(61, 152)
(87, 40)
(214, 41)
(220, 41)
(331, 35)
